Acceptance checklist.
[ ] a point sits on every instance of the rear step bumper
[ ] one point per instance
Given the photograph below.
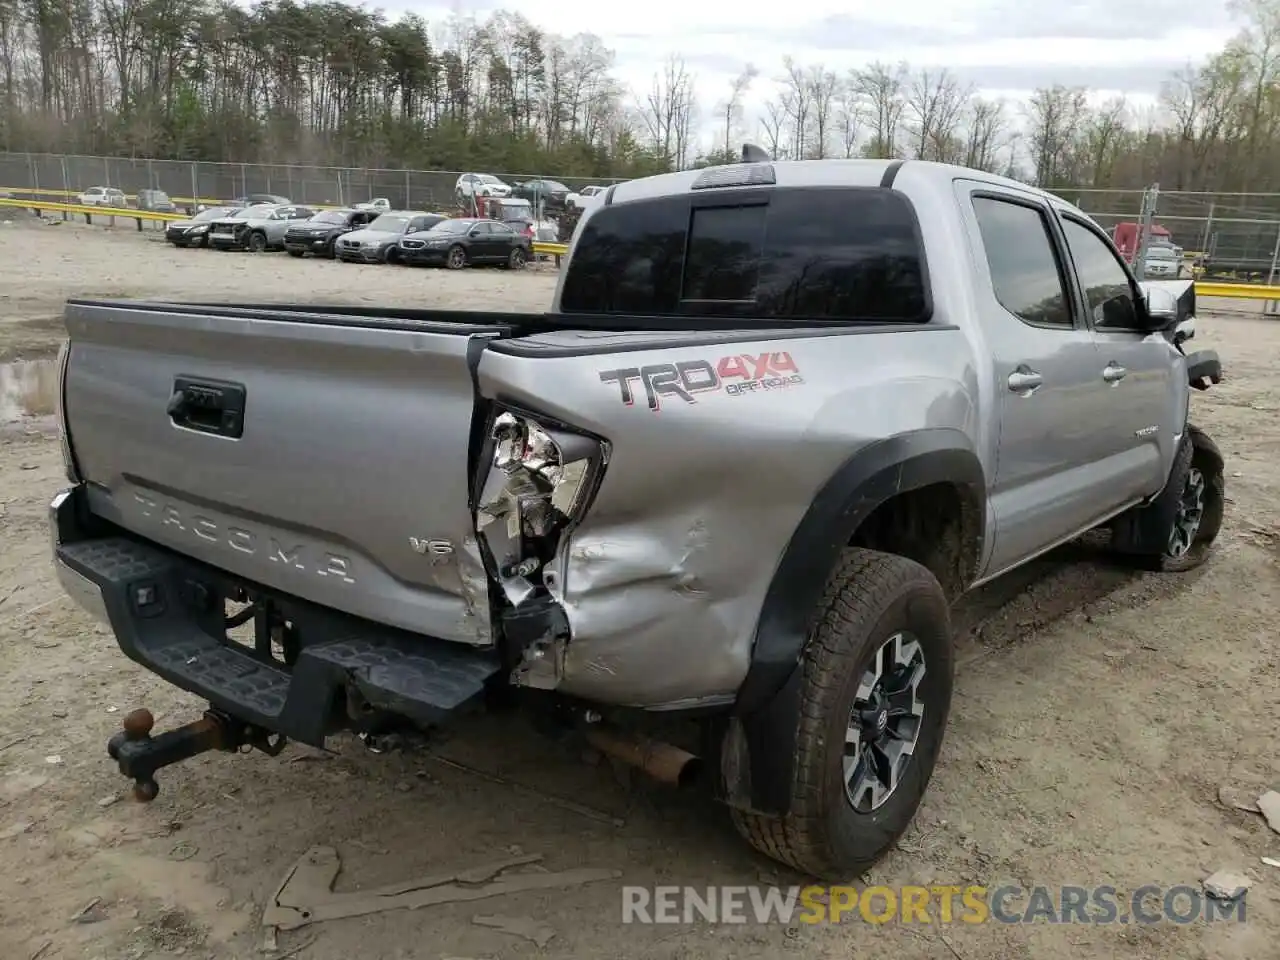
(156, 602)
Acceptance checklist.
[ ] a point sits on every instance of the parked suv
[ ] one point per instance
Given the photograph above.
(318, 235)
(104, 197)
(778, 417)
(156, 201)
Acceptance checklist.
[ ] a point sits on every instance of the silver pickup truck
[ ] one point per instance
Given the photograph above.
(779, 417)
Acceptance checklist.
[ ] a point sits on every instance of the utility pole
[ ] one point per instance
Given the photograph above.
(1149, 199)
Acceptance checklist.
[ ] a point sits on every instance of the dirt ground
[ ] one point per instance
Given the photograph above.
(1103, 722)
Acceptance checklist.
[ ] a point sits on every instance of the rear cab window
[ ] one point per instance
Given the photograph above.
(791, 254)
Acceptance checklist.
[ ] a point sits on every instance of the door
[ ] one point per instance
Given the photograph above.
(1144, 400)
(279, 222)
(1044, 374)
(482, 243)
(504, 238)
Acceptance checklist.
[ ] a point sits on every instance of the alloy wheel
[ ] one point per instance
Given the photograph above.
(884, 724)
(1190, 513)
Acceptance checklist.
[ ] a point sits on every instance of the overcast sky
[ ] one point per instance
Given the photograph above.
(1004, 47)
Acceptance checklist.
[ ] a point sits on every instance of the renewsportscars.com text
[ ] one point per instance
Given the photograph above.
(939, 903)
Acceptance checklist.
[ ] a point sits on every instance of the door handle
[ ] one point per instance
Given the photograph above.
(1025, 381)
(1113, 372)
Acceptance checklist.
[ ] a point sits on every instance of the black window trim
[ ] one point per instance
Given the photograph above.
(1134, 287)
(763, 195)
(1057, 244)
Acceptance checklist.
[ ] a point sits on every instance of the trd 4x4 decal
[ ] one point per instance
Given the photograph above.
(735, 375)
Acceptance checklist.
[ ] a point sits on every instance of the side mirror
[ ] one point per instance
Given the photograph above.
(1120, 312)
(1161, 308)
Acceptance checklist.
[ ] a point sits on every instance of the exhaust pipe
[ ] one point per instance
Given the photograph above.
(664, 762)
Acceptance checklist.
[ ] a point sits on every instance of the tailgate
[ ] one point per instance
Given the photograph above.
(321, 454)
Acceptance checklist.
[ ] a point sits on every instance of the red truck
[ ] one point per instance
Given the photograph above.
(1125, 237)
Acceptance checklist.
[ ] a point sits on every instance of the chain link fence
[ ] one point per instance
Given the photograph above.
(1231, 235)
(188, 182)
(1235, 235)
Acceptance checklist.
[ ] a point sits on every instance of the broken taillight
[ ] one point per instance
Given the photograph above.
(538, 484)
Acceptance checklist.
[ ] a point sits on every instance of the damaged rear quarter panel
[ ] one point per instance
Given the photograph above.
(665, 576)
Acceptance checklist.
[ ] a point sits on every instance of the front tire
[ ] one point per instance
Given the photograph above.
(876, 685)
(257, 243)
(1176, 532)
(456, 258)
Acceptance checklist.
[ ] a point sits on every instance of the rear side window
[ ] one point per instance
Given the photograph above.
(789, 254)
(1025, 271)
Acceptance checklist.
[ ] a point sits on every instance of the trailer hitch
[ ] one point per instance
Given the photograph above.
(139, 755)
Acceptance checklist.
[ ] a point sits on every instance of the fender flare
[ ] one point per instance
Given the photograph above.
(759, 748)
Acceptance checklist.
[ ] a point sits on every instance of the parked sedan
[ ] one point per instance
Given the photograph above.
(195, 232)
(549, 195)
(258, 228)
(318, 235)
(462, 242)
(377, 243)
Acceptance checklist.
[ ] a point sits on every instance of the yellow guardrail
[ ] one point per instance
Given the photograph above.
(19, 193)
(1238, 291)
(550, 249)
(90, 210)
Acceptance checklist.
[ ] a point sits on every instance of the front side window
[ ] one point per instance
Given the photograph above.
(1025, 272)
(1107, 289)
(798, 254)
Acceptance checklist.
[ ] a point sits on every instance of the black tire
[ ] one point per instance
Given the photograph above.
(456, 258)
(517, 259)
(296, 253)
(257, 242)
(871, 599)
(391, 254)
(1176, 532)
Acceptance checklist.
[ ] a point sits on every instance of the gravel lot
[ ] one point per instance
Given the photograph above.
(1103, 723)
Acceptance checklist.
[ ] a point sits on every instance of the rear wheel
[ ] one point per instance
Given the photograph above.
(517, 259)
(876, 691)
(456, 259)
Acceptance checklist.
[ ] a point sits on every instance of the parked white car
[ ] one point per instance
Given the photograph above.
(1163, 262)
(481, 185)
(378, 204)
(584, 196)
(103, 197)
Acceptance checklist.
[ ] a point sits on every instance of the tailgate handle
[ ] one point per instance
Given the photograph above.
(209, 406)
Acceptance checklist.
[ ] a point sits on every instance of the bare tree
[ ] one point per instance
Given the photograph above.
(731, 109)
(1054, 114)
(773, 124)
(986, 133)
(882, 88)
(797, 101)
(669, 112)
(823, 88)
(935, 101)
(850, 115)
